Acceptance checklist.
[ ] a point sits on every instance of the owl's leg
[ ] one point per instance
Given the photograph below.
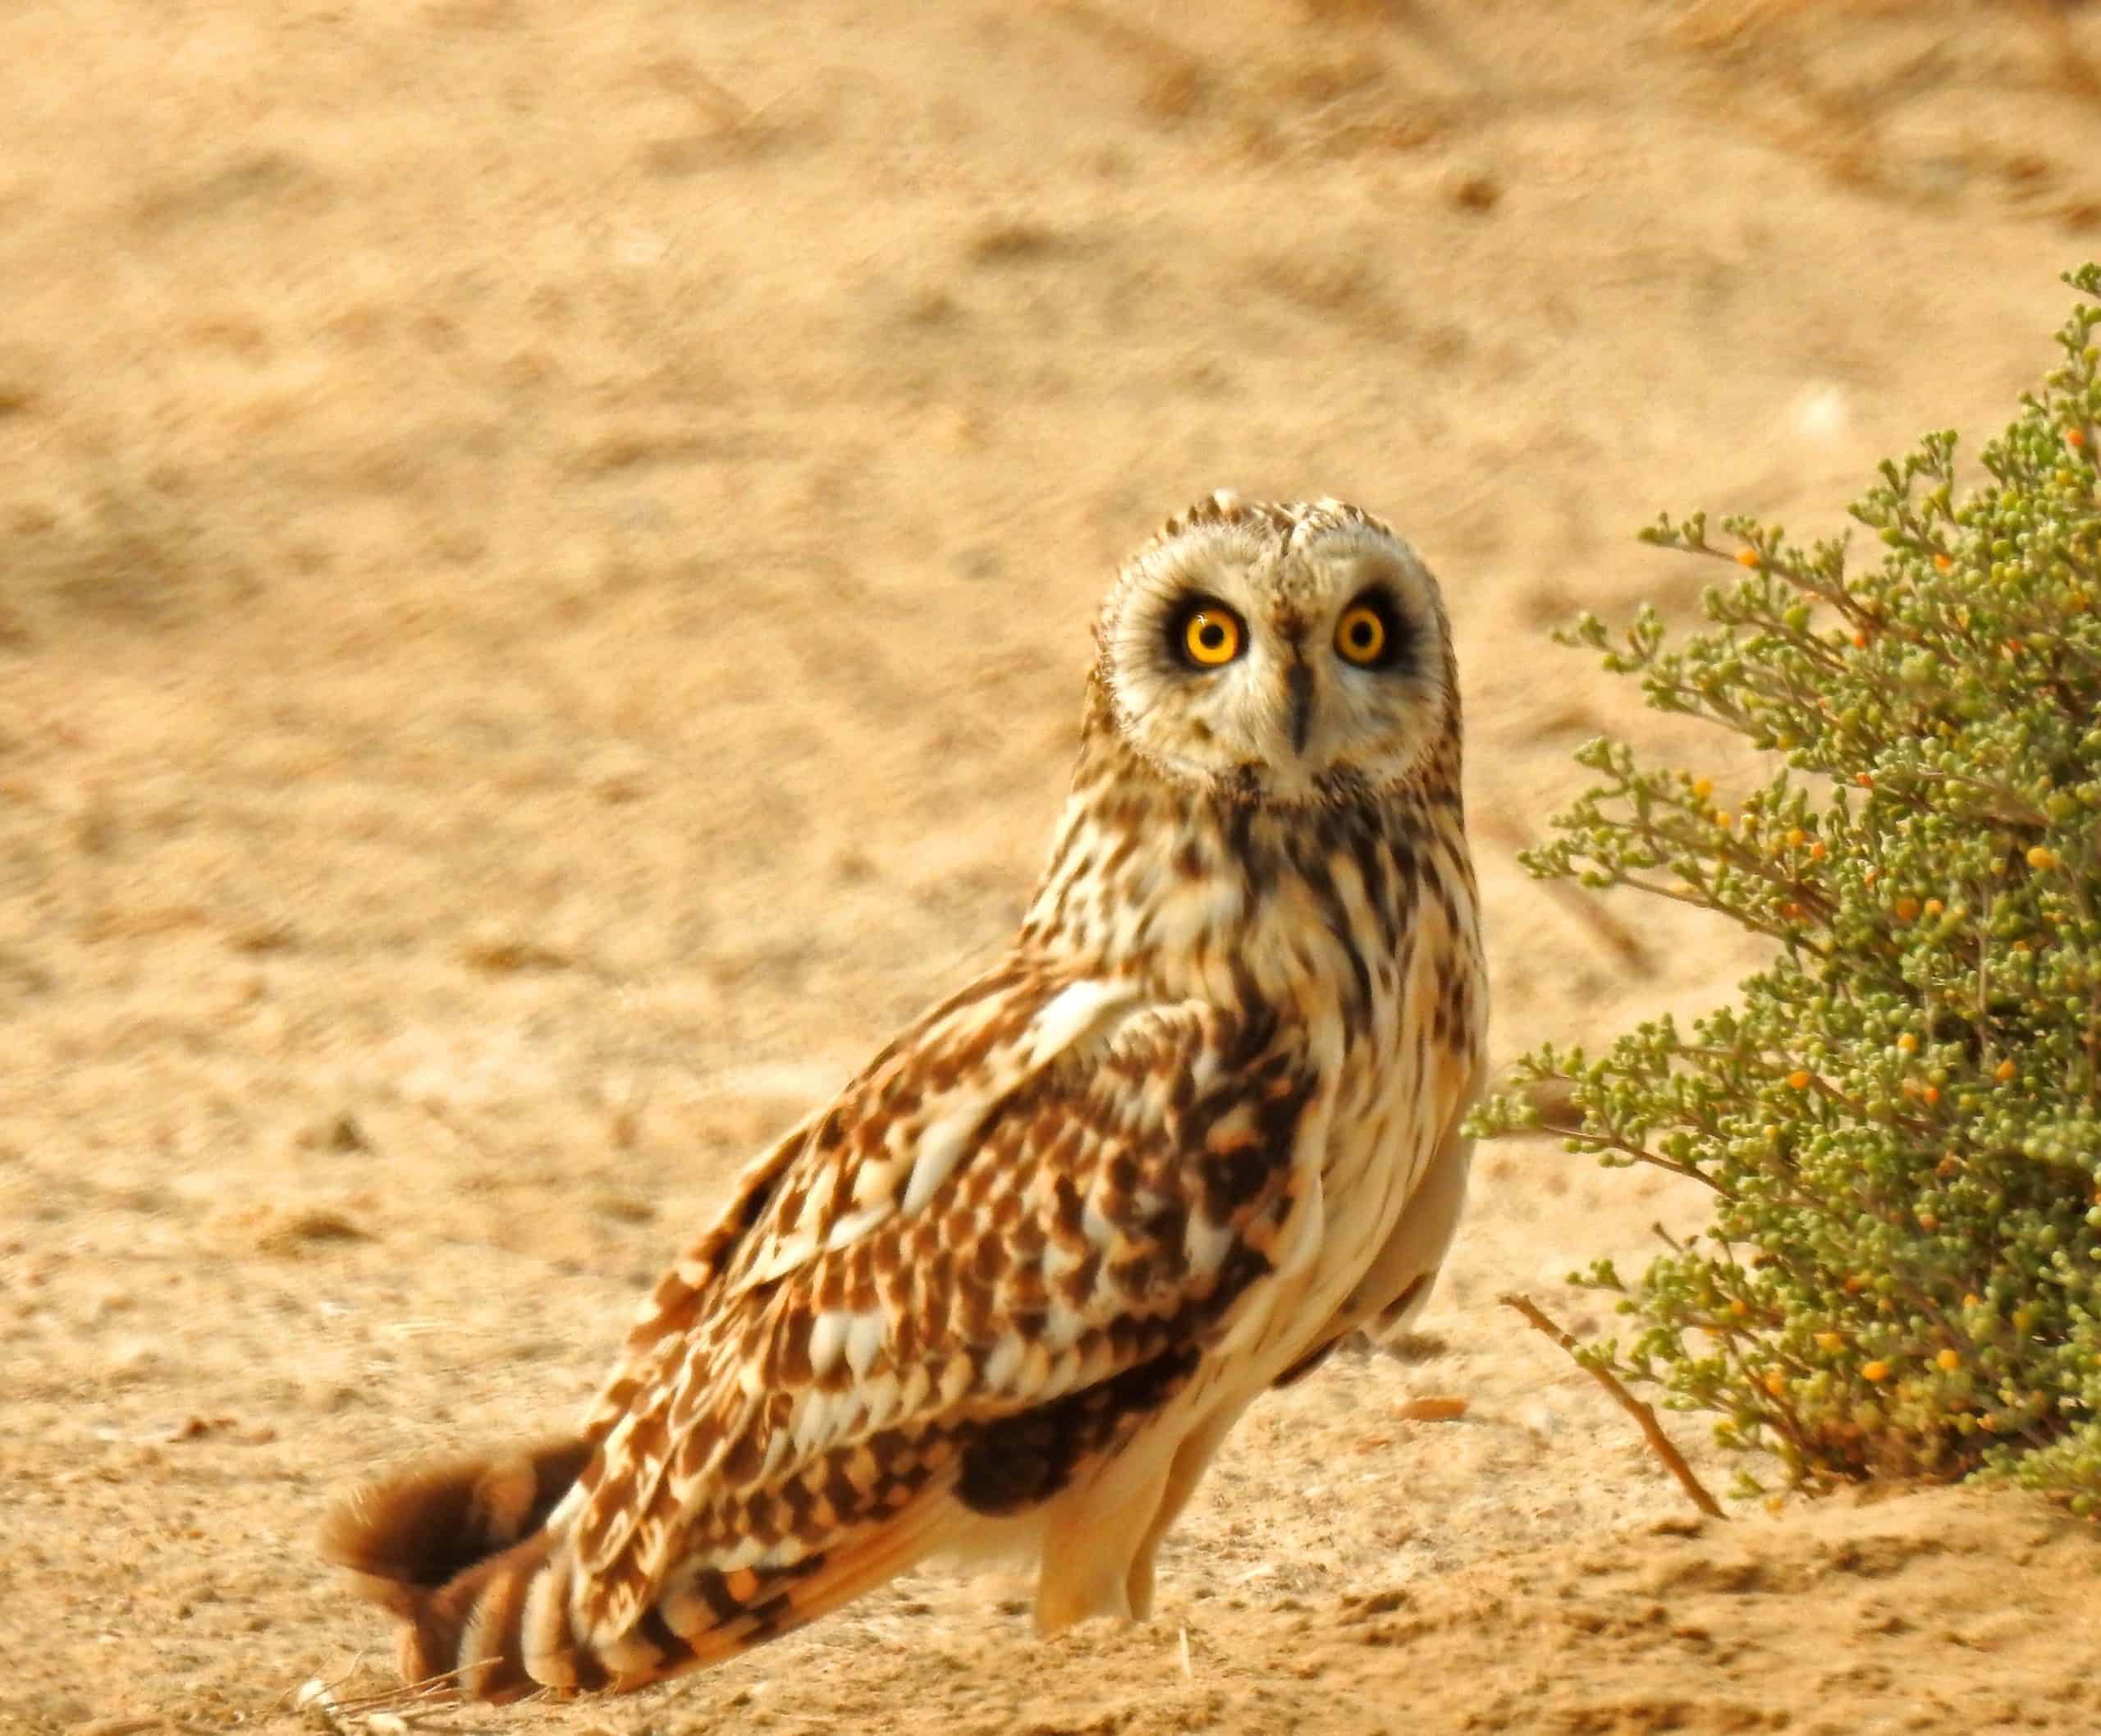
(1191, 1459)
(1088, 1546)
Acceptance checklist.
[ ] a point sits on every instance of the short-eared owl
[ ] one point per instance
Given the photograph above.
(1014, 1283)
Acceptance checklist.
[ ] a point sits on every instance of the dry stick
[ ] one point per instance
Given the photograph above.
(1652, 1431)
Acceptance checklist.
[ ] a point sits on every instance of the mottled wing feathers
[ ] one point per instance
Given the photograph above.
(1003, 1245)
(675, 1301)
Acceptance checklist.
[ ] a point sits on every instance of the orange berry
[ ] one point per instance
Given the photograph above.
(1907, 909)
(1931, 1094)
(1747, 557)
(1933, 907)
(1739, 1309)
(2043, 857)
(1854, 1283)
(1816, 851)
(1798, 1080)
(1875, 1372)
(1870, 876)
(1908, 1041)
(1702, 788)
(1971, 1299)
(1928, 1222)
(1948, 1361)
(1942, 563)
(1829, 1341)
(2074, 437)
(1865, 781)
(2004, 1072)
(1776, 1383)
(1796, 837)
(1860, 640)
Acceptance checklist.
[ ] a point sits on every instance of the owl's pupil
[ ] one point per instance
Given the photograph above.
(1360, 635)
(1211, 635)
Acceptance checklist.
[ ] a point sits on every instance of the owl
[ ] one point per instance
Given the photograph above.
(1008, 1291)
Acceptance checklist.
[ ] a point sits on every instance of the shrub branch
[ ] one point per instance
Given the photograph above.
(1898, 1120)
(1643, 1415)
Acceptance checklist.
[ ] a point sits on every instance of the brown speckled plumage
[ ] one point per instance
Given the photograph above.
(1014, 1285)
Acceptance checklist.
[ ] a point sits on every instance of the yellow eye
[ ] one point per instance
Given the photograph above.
(1211, 636)
(1361, 635)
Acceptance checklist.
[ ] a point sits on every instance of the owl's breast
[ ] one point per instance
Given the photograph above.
(1392, 997)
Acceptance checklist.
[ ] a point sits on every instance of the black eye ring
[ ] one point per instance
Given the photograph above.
(1371, 633)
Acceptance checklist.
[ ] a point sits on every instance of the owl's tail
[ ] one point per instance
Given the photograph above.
(454, 1551)
(461, 1553)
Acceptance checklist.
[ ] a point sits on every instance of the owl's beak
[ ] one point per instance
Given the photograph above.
(1299, 687)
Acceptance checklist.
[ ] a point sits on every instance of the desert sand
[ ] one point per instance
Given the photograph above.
(546, 554)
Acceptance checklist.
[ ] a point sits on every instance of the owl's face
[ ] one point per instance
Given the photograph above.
(1278, 653)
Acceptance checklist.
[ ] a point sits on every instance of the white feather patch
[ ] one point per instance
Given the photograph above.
(1001, 1366)
(543, 1629)
(1035, 1377)
(1208, 1243)
(783, 1256)
(1068, 1013)
(746, 1551)
(880, 1396)
(480, 1640)
(864, 1342)
(1057, 1258)
(855, 1225)
(1097, 1228)
(813, 1419)
(827, 1339)
(1062, 1324)
(940, 1146)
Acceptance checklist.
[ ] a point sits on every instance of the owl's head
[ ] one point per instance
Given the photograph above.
(1284, 653)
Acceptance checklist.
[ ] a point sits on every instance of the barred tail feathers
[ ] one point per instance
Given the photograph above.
(458, 1555)
(442, 1548)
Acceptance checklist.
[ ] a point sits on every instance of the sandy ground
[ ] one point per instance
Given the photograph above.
(543, 581)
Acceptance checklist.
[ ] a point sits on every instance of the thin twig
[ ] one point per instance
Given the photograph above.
(1660, 1443)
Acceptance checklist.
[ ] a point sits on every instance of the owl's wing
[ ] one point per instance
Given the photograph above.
(1006, 1241)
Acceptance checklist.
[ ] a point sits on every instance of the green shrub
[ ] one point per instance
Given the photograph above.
(1900, 1120)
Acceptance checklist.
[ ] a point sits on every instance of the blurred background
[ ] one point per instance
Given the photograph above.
(545, 555)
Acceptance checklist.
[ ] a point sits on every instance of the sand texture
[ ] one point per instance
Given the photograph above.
(546, 553)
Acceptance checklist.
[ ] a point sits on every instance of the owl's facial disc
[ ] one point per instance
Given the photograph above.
(1278, 667)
